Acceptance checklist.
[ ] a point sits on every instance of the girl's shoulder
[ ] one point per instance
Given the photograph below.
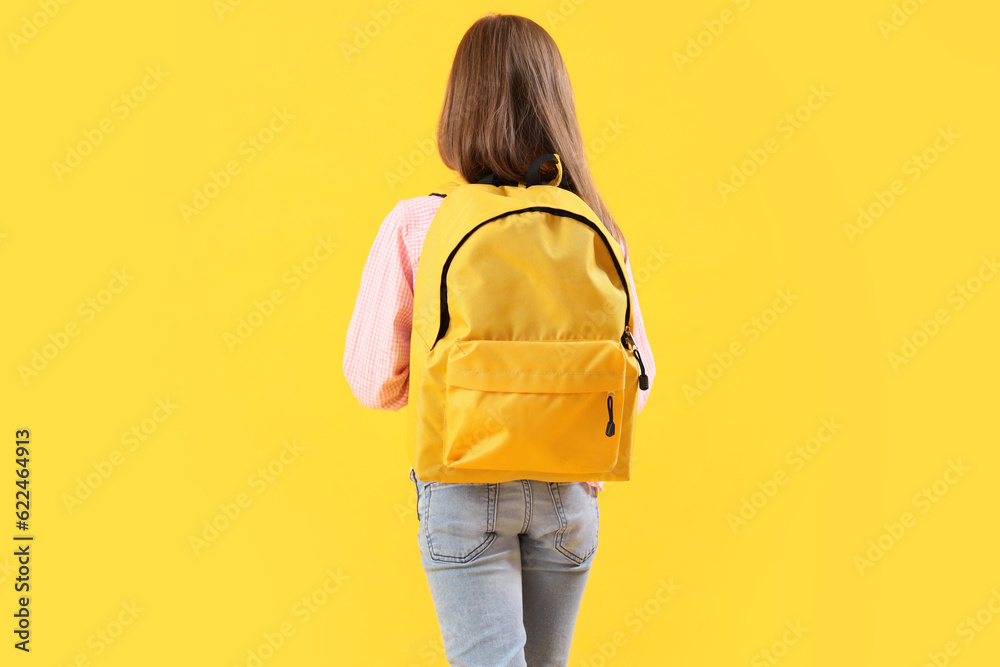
(419, 210)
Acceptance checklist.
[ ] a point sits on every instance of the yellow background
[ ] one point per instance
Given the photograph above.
(345, 504)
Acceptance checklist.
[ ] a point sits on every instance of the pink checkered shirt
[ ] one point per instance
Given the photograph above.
(377, 350)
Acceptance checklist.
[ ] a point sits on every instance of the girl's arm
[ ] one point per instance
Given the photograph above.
(377, 350)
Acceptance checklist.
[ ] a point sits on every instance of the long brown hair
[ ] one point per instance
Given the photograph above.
(509, 101)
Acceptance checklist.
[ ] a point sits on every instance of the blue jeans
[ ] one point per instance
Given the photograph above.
(507, 564)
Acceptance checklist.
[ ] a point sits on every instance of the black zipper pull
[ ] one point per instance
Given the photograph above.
(643, 379)
(610, 430)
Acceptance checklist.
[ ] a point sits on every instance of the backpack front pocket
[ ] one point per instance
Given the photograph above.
(546, 406)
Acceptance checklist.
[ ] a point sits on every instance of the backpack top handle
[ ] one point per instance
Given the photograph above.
(533, 177)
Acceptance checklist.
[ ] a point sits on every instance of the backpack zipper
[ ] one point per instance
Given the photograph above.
(643, 380)
(610, 429)
(445, 319)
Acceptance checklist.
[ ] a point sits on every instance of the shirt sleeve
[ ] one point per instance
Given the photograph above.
(377, 349)
(641, 340)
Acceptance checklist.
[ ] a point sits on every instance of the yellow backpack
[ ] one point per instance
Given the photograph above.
(522, 362)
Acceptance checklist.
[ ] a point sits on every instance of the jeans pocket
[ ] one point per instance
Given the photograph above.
(459, 519)
(579, 519)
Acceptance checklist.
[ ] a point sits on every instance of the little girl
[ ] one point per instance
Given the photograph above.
(507, 562)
